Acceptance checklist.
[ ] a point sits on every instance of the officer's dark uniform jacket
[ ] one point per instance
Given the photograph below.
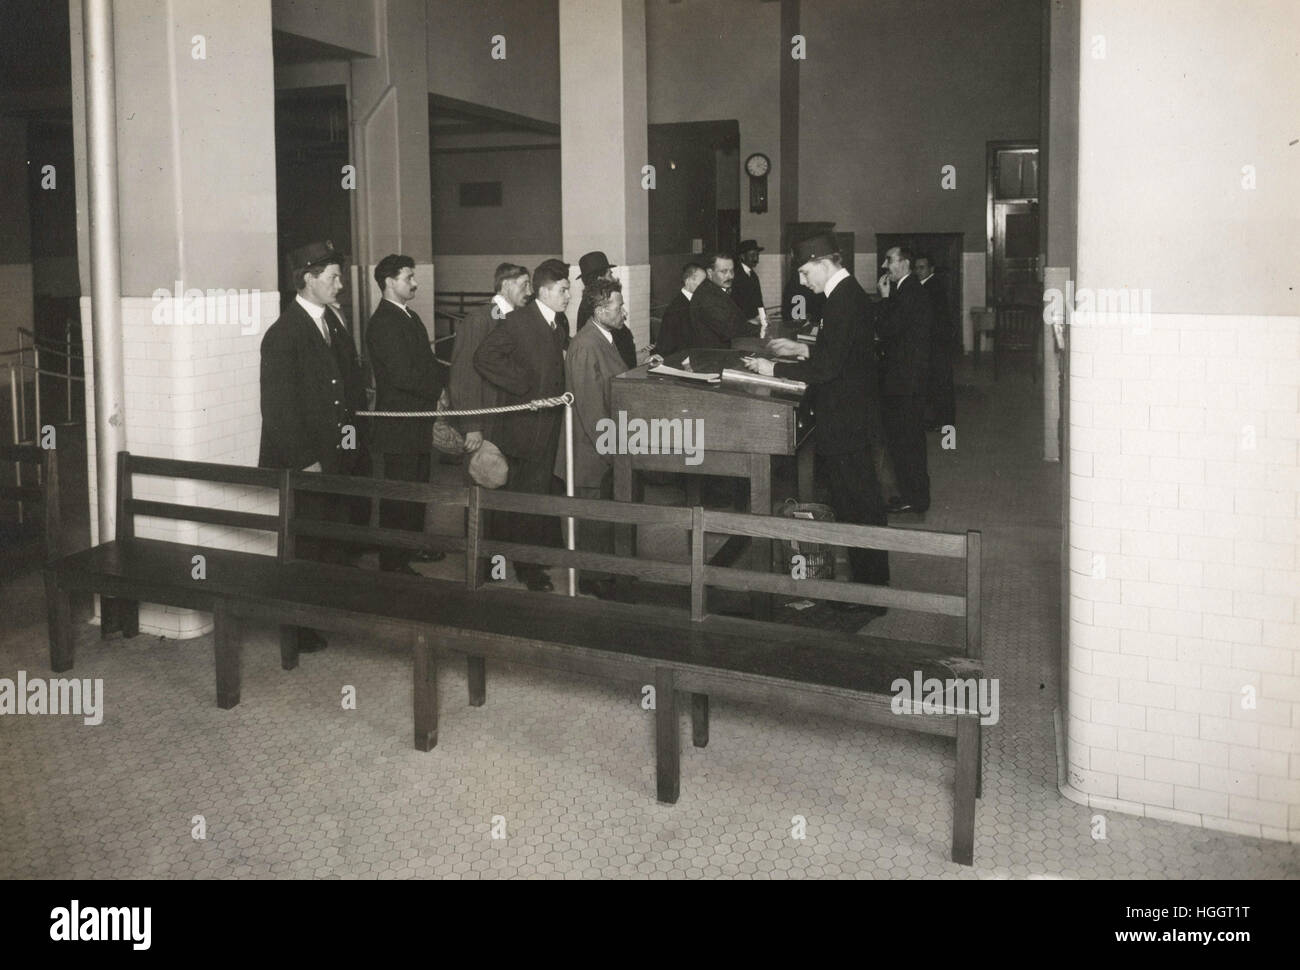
(310, 393)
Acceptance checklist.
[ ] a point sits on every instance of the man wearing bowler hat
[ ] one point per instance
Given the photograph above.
(311, 387)
(746, 290)
(596, 266)
(840, 371)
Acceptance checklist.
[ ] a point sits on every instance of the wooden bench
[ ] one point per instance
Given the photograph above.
(686, 652)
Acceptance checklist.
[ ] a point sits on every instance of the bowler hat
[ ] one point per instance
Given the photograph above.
(313, 254)
(815, 247)
(488, 467)
(593, 264)
(747, 244)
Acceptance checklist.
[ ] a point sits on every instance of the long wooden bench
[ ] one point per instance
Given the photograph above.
(680, 651)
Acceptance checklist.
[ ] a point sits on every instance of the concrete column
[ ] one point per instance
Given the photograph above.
(195, 157)
(390, 145)
(603, 144)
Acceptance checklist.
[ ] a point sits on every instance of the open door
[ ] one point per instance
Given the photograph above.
(1013, 249)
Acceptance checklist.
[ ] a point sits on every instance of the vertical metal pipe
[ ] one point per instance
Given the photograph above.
(13, 414)
(105, 260)
(67, 368)
(36, 390)
(21, 435)
(568, 479)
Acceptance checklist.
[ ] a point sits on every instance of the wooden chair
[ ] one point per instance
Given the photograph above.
(1018, 328)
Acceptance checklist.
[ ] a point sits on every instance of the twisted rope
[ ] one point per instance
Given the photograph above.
(564, 399)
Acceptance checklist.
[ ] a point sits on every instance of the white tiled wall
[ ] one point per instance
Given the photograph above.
(192, 392)
(1184, 570)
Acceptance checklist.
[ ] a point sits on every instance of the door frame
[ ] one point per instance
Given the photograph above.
(990, 160)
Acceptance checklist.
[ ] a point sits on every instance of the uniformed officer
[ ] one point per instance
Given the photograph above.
(311, 385)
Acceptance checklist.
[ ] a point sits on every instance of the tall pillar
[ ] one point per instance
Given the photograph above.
(603, 144)
(390, 144)
(196, 247)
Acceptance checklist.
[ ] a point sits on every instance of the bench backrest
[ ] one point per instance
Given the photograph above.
(36, 482)
(128, 506)
(697, 574)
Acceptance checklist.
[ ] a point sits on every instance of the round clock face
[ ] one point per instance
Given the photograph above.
(757, 165)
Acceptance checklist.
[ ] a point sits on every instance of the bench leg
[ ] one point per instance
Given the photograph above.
(225, 637)
(963, 808)
(288, 647)
(667, 752)
(128, 617)
(700, 720)
(425, 673)
(109, 623)
(58, 605)
(477, 681)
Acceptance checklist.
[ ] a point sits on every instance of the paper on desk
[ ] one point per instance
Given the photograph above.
(776, 383)
(690, 375)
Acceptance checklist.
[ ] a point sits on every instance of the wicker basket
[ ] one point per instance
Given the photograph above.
(820, 557)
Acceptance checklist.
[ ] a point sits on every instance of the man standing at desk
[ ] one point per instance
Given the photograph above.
(906, 320)
(715, 318)
(746, 290)
(524, 359)
(841, 373)
(675, 328)
(591, 363)
(596, 266)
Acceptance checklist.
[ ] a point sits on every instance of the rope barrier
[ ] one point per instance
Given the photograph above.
(563, 400)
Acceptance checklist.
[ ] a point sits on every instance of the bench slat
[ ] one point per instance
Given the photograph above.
(647, 569)
(837, 533)
(585, 508)
(201, 513)
(203, 471)
(379, 488)
(397, 538)
(749, 581)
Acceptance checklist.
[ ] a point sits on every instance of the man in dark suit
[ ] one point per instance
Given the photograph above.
(512, 287)
(715, 318)
(746, 290)
(311, 387)
(407, 378)
(596, 266)
(524, 359)
(675, 327)
(591, 362)
(905, 319)
(840, 371)
(941, 403)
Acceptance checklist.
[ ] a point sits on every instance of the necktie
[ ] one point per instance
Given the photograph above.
(325, 331)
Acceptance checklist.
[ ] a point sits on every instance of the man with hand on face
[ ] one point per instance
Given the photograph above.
(715, 318)
(840, 371)
(407, 378)
(675, 327)
(467, 388)
(310, 389)
(906, 320)
(523, 358)
(591, 362)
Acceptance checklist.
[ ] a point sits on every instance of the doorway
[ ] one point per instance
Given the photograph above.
(1013, 274)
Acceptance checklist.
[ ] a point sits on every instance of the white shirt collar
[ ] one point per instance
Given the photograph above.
(502, 304)
(317, 312)
(900, 282)
(927, 279)
(687, 293)
(547, 313)
(748, 271)
(608, 336)
(401, 306)
(834, 281)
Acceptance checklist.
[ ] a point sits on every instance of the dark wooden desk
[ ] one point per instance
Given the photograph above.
(743, 428)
